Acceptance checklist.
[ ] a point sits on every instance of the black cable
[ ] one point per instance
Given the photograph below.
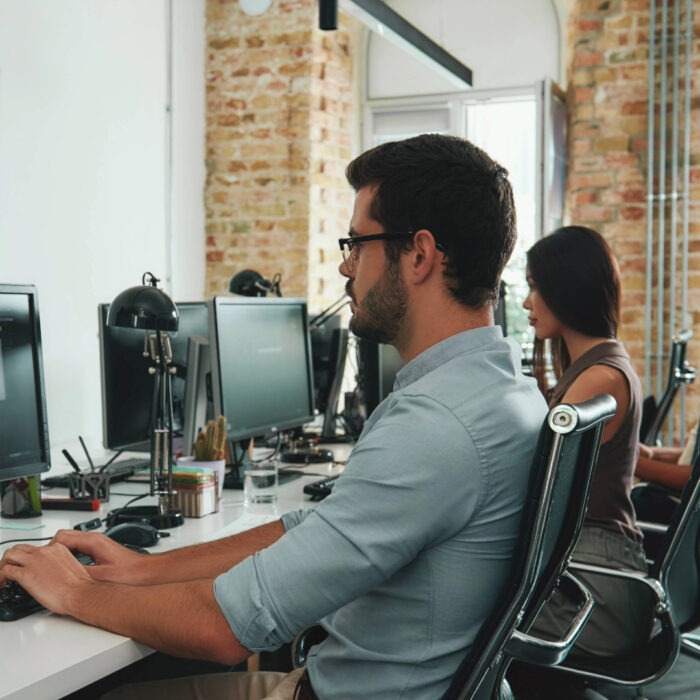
(275, 451)
(116, 512)
(26, 539)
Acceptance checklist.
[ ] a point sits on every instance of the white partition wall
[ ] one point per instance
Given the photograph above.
(99, 130)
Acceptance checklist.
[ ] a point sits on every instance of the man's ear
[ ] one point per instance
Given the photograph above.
(424, 255)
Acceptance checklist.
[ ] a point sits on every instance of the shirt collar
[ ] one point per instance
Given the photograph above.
(444, 351)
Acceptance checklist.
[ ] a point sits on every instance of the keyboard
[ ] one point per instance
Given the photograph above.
(318, 490)
(118, 471)
(16, 603)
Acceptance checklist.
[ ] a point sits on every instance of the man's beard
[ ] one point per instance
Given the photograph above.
(381, 314)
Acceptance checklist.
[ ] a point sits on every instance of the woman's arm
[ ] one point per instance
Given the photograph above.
(601, 379)
(671, 455)
(674, 476)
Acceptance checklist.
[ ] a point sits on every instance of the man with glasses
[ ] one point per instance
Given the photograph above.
(407, 557)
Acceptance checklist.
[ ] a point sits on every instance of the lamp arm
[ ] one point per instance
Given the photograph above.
(171, 454)
(329, 312)
(162, 420)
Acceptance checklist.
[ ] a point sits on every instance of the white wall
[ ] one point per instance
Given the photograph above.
(504, 42)
(101, 181)
(85, 204)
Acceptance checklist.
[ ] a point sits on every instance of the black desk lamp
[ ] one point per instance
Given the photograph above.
(150, 309)
(249, 283)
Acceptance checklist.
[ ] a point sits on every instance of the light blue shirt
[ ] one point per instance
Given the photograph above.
(406, 558)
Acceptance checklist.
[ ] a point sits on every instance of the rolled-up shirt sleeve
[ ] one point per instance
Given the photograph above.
(294, 517)
(398, 494)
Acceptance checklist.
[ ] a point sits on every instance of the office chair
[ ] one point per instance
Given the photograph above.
(655, 506)
(560, 479)
(674, 579)
(679, 373)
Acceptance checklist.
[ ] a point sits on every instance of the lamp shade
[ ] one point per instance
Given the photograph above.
(144, 307)
(249, 283)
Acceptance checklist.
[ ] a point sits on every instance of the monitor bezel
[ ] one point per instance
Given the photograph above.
(44, 463)
(215, 304)
(141, 445)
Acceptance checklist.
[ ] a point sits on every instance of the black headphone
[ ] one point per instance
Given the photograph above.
(249, 283)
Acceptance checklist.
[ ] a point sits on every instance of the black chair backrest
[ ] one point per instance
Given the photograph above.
(679, 373)
(553, 514)
(678, 562)
(649, 412)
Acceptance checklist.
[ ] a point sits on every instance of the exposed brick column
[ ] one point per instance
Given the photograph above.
(608, 67)
(279, 131)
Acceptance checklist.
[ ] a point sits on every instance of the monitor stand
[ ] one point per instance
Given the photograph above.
(306, 455)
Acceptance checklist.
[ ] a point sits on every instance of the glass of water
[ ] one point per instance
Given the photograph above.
(260, 485)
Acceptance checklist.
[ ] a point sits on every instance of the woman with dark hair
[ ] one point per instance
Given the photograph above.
(574, 303)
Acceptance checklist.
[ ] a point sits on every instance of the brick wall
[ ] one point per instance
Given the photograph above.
(608, 67)
(280, 125)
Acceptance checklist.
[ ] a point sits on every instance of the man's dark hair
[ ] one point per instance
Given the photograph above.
(453, 189)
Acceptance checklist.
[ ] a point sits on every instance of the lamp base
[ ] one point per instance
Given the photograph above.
(146, 514)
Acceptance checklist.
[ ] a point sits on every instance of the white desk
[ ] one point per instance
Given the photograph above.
(45, 656)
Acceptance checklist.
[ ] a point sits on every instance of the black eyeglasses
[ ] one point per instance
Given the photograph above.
(349, 247)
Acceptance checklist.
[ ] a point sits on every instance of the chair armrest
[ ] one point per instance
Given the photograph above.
(302, 643)
(645, 526)
(544, 652)
(662, 605)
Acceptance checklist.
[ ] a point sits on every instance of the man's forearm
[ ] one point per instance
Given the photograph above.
(208, 559)
(182, 619)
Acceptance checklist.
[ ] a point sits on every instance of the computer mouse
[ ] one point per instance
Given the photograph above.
(139, 534)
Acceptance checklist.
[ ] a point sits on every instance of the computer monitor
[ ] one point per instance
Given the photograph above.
(24, 430)
(499, 312)
(261, 370)
(329, 344)
(377, 367)
(127, 386)
(197, 404)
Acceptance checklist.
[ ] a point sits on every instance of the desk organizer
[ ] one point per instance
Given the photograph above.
(89, 485)
(195, 491)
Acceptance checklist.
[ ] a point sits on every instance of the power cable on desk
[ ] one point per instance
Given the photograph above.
(26, 539)
(277, 449)
(114, 513)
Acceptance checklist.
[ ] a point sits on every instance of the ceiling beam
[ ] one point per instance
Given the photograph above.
(380, 18)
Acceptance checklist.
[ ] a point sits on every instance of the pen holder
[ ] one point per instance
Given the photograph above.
(89, 485)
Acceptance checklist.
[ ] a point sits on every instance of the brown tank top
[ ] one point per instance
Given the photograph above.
(610, 506)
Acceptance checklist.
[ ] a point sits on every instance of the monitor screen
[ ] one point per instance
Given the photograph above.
(127, 387)
(261, 371)
(24, 432)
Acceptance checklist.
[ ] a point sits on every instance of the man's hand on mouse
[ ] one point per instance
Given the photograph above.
(113, 561)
